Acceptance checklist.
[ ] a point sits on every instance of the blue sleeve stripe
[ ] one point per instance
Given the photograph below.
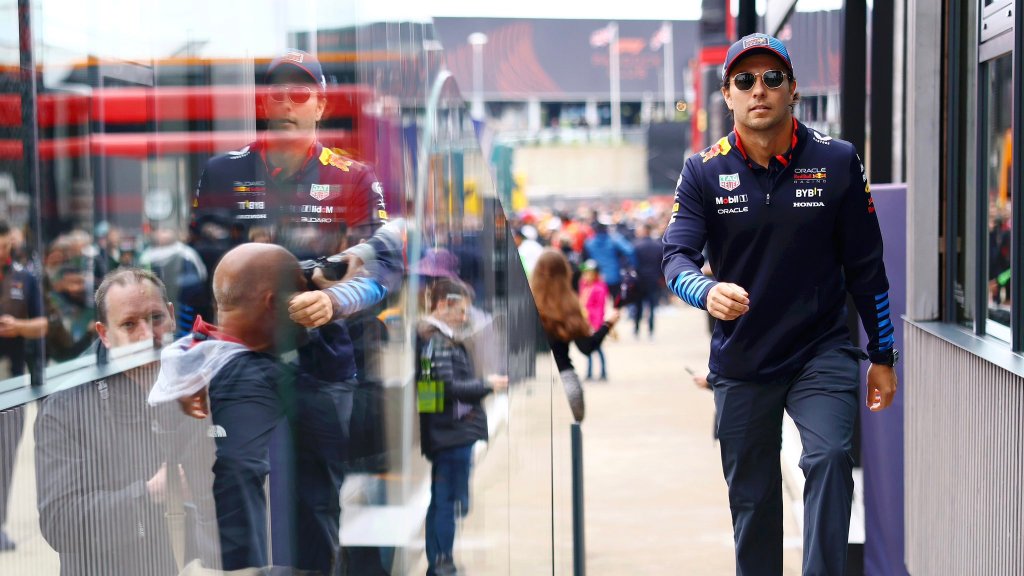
(357, 294)
(883, 314)
(882, 296)
(884, 324)
(689, 287)
(887, 332)
(882, 306)
(886, 343)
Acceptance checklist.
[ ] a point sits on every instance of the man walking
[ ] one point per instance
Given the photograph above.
(790, 226)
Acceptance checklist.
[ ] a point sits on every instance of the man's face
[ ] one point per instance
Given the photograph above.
(760, 108)
(135, 313)
(287, 114)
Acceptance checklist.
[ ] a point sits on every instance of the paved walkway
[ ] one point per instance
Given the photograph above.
(656, 499)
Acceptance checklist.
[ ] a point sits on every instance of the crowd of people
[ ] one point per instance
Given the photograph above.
(613, 254)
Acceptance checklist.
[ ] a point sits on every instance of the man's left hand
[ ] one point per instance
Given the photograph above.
(881, 387)
(311, 309)
(355, 267)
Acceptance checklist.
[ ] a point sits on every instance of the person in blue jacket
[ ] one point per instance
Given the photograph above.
(611, 252)
(791, 228)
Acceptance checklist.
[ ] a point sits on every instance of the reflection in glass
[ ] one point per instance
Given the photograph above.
(998, 168)
(164, 146)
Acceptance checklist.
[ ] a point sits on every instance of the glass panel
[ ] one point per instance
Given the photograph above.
(999, 88)
(184, 148)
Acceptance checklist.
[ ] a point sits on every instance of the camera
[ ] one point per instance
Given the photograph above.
(334, 268)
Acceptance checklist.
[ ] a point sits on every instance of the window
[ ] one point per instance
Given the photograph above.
(997, 137)
(984, 227)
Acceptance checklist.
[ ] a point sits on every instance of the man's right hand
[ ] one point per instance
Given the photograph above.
(196, 405)
(727, 301)
(311, 309)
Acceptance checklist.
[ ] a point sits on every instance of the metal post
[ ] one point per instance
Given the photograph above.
(477, 40)
(579, 548)
(854, 73)
(30, 153)
(746, 20)
(881, 91)
(670, 78)
(613, 76)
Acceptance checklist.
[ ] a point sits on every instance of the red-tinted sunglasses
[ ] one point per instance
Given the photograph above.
(297, 93)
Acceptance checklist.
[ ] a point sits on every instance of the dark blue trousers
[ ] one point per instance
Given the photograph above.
(248, 411)
(306, 500)
(822, 399)
(449, 500)
(648, 300)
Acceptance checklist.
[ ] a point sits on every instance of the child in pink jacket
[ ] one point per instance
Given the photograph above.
(593, 297)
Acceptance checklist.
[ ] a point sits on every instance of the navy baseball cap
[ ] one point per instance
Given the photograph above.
(303, 61)
(756, 43)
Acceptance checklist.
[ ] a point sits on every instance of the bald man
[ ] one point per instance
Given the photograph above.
(251, 285)
(251, 392)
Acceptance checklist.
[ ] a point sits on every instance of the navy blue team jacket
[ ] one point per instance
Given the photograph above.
(796, 235)
(308, 212)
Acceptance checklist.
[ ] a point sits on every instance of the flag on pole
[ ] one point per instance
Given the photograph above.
(601, 36)
(662, 36)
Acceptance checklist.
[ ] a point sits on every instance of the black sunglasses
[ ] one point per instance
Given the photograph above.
(298, 94)
(745, 80)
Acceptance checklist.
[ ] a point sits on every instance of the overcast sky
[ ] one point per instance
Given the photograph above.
(631, 10)
(71, 29)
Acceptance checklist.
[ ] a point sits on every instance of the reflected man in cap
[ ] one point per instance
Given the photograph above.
(290, 189)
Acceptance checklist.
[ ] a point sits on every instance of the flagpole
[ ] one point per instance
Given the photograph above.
(670, 79)
(613, 75)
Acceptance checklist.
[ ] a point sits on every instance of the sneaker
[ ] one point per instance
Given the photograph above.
(445, 567)
(6, 544)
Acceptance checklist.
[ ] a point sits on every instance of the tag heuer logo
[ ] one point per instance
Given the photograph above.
(755, 41)
(320, 191)
(729, 181)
